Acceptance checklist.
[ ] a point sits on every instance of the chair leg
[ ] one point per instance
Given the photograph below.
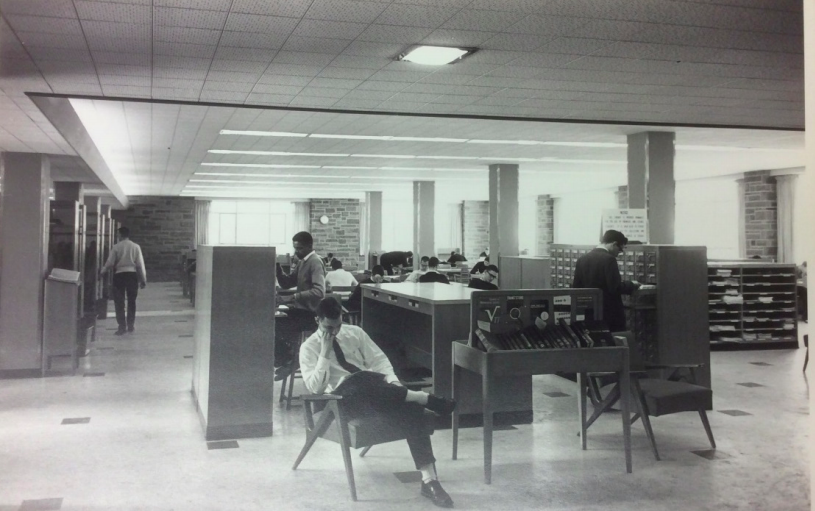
(365, 451)
(291, 387)
(283, 389)
(806, 357)
(345, 445)
(642, 410)
(604, 405)
(594, 392)
(311, 436)
(706, 424)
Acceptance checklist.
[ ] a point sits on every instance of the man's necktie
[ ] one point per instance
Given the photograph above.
(348, 366)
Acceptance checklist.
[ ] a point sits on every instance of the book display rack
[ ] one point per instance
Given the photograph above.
(752, 306)
(527, 332)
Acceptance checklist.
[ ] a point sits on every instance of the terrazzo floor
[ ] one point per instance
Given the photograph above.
(123, 434)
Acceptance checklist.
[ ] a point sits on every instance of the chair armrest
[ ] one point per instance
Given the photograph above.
(320, 397)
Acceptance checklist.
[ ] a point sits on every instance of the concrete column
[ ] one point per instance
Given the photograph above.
(503, 211)
(93, 252)
(24, 260)
(68, 190)
(373, 223)
(651, 183)
(424, 213)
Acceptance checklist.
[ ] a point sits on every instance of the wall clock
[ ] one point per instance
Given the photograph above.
(324, 219)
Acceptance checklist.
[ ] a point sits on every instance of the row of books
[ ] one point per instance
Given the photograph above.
(561, 335)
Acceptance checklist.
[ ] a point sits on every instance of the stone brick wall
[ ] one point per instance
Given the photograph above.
(622, 197)
(341, 234)
(475, 220)
(545, 223)
(164, 227)
(760, 214)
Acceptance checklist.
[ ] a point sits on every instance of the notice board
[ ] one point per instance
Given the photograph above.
(633, 223)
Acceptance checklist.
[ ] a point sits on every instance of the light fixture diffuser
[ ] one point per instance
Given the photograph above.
(434, 55)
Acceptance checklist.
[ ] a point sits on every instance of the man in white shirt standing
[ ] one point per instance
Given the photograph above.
(129, 274)
(338, 276)
(337, 351)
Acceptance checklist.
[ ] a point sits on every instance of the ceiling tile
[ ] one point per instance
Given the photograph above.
(160, 82)
(138, 81)
(516, 42)
(330, 29)
(334, 83)
(226, 76)
(415, 15)
(45, 53)
(133, 59)
(267, 40)
(185, 35)
(483, 20)
(289, 8)
(293, 69)
(207, 5)
(345, 10)
(449, 37)
(225, 96)
(72, 41)
(369, 95)
(549, 26)
(181, 62)
(309, 101)
(184, 50)
(126, 91)
(268, 99)
(277, 79)
(99, 11)
(236, 54)
(352, 61)
(346, 73)
(180, 73)
(189, 18)
(315, 44)
(123, 70)
(382, 86)
(55, 8)
(175, 93)
(285, 90)
(241, 22)
(240, 66)
(42, 24)
(323, 92)
(393, 34)
(356, 104)
(373, 49)
(303, 58)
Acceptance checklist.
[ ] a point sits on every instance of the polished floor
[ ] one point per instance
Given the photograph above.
(123, 434)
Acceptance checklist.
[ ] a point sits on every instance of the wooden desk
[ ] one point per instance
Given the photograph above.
(415, 325)
(493, 368)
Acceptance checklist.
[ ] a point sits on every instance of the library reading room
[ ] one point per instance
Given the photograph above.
(469, 254)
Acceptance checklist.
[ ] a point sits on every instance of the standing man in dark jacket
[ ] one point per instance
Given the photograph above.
(598, 269)
(308, 275)
(390, 259)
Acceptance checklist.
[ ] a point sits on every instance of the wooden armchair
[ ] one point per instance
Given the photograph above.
(332, 424)
(655, 396)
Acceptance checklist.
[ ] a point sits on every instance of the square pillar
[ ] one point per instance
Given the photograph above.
(373, 223)
(503, 211)
(545, 223)
(424, 212)
(23, 261)
(651, 183)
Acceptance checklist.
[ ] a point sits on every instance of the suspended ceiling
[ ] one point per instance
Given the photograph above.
(652, 61)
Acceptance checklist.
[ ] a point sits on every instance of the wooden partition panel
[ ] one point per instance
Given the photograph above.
(233, 375)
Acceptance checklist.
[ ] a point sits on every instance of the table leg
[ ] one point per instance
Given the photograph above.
(625, 396)
(581, 391)
(455, 389)
(486, 383)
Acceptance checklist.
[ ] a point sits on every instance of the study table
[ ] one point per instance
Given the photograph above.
(416, 325)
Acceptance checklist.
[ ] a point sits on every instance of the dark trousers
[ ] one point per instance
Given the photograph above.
(125, 284)
(287, 332)
(367, 394)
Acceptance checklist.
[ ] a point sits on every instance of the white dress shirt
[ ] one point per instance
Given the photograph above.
(340, 277)
(324, 374)
(414, 275)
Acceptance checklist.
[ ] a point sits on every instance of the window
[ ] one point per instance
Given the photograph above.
(247, 222)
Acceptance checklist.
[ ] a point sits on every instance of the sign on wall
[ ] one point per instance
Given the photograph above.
(633, 223)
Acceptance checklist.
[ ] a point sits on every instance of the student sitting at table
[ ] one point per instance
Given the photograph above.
(486, 280)
(354, 302)
(481, 265)
(415, 274)
(432, 274)
(339, 276)
(456, 257)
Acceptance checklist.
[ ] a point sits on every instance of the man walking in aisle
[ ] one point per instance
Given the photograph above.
(129, 274)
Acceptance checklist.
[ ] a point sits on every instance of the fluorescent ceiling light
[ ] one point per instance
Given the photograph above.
(340, 167)
(264, 133)
(394, 156)
(434, 55)
(261, 165)
(513, 142)
(274, 153)
(250, 182)
(447, 157)
(587, 144)
(428, 139)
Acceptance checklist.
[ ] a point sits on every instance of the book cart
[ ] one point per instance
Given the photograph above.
(669, 322)
(752, 306)
(502, 315)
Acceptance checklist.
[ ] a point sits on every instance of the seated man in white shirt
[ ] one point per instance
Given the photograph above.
(335, 352)
(338, 276)
(415, 274)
